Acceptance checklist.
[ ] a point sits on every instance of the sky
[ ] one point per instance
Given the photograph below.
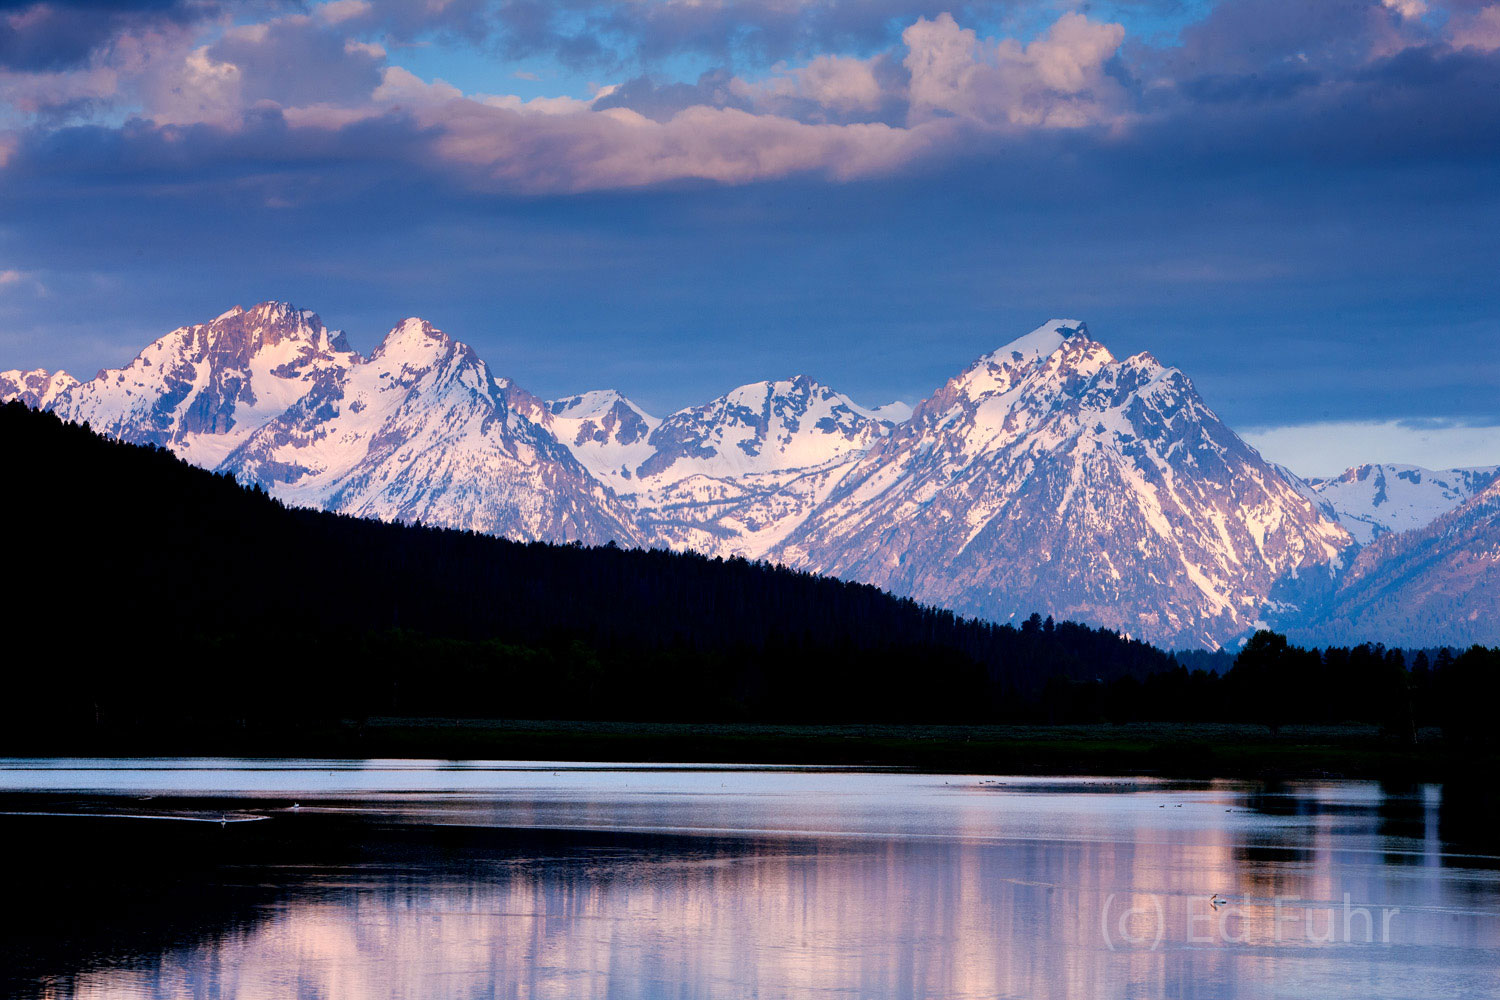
(1296, 202)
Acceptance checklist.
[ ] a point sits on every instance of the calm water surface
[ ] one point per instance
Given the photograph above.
(385, 879)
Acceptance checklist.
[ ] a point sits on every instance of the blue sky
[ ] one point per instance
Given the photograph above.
(1297, 204)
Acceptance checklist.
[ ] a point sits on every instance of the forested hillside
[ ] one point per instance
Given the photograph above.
(148, 590)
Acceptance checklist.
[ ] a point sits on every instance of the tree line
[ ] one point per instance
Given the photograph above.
(1275, 684)
(147, 592)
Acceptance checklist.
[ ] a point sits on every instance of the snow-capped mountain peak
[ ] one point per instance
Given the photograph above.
(605, 431)
(1051, 476)
(203, 389)
(412, 338)
(731, 476)
(1037, 344)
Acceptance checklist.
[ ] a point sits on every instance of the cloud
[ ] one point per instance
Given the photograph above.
(1407, 8)
(944, 92)
(715, 88)
(1478, 30)
(40, 36)
(1057, 80)
(841, 83)
(743, 32)
(504, 147)
(339, 11)
(298, 60)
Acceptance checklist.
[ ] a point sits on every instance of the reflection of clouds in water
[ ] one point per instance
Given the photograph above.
(949, 916)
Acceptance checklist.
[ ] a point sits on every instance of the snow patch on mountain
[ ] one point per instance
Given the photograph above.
(608, 433)
(1376, 500)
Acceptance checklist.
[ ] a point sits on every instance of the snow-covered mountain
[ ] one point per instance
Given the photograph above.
(729, 477)
(1376, 500)
(1048, 476)
(419, 431)
(1051, 476)
(202, 390)
(1435, 584)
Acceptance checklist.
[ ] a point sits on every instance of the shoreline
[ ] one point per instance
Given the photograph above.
(1191, 750)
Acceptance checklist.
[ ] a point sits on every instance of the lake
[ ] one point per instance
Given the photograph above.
(428, 879)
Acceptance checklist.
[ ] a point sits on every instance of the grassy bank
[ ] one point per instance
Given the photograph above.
(1179, 749)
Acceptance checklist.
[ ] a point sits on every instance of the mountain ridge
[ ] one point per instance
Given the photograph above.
(1047, 475)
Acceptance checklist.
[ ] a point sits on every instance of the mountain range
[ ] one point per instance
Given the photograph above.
(1047, 476)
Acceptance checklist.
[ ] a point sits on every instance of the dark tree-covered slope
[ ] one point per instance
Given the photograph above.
(146, 589)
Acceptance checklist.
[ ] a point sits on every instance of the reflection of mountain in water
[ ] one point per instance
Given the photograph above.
(1006, 902)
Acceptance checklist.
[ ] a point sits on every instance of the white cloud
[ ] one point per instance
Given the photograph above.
(1056, 81)
(1328, 448)
(308, 68)
(12, 280)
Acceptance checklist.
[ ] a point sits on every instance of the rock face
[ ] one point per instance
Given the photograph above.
(1435, 584)
(1372, 501)
(1050, 475)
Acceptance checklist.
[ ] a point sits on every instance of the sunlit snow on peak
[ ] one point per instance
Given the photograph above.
(1039, 343)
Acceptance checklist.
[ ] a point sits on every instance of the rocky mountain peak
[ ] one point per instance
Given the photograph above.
(599, 418)
(1037, 344)
(239, 333)
(415, 341)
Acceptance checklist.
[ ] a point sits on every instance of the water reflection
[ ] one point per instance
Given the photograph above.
(962, 890)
